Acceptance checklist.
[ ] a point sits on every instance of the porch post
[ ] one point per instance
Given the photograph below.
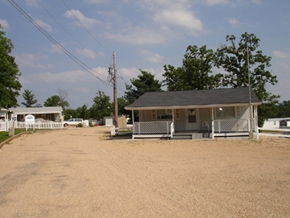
(256, 122)
(133, 132)
(212, 123)
(173, 118)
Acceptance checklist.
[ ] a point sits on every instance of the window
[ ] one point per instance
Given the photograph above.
(238, 111)
(191, 115)
(177, 114)
(164, 114)
(222, 112)
(153, 113)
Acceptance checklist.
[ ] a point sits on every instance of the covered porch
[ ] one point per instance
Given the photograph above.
(196, 123)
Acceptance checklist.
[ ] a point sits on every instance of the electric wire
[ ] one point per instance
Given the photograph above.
(64, 29)
(65, 4)
(48, 36)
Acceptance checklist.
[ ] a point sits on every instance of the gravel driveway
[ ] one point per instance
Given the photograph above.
(77, 172)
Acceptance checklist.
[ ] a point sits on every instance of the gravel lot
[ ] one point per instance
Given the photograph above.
(77, 172)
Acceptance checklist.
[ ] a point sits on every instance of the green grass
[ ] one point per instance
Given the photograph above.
(5, 135)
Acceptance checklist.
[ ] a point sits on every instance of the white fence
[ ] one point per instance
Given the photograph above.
(274, 132)
(35, 125)
(3, 126)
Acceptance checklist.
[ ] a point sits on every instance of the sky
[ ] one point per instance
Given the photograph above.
(69, 45)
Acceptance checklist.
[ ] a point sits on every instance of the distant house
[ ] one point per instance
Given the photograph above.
(40, 113)
(276, 123)
(3, 119)
(196, 114)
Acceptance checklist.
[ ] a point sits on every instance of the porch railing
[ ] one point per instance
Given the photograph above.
(160, 127)
(231, 125)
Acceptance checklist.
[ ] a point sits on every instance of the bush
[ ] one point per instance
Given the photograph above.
(80, 125)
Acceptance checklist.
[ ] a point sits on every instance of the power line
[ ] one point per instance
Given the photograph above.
(71, 56)
(50, 14)
(85, 27)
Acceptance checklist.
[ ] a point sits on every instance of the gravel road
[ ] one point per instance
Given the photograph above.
(77, 172)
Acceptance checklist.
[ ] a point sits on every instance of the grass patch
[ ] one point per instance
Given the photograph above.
(5, 135)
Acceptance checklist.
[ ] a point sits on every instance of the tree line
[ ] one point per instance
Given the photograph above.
(237, 63)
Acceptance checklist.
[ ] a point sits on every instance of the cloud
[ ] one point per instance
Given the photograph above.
(4, 23)
(65, 77)
(257, 2)
(178, 17)
(281, 54)
(216, 2)
(32, 3)
(137, 35)
(87, 53)
(26, 60)
(81, 19)
(151, 57)
(97, 1)
(173, 13)
(234, 22)
(43, 25)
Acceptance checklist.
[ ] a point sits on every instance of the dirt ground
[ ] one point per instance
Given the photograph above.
(77, 172)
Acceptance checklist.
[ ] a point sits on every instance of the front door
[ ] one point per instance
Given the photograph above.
(192, 119)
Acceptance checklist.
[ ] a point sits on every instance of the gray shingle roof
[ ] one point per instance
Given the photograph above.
(36, 110)
(194, 98)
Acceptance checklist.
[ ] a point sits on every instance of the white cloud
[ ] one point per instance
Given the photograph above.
(26, 60)
(55, 49)
(97, 1)
(81, 19)
(234, 22)
(43, 25)
(32, 3)
(256, 2)
(137, 35)
(151, 57)
(216, 2)
(173, 13)
(4, 23)
(281, 54)
(179, 17)
(65, 77)
(87, 53)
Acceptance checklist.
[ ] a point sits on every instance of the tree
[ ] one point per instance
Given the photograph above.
(237, 58)
(144, 83)
(122, 103)
(102, 106)
(195, 71)
(62, 98)
(283, 109)
(52, 101)
(9, 74)
(29, 98)
(57, 100)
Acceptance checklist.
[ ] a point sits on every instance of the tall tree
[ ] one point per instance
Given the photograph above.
(195, 71)
(52, 101)
(58, 100)
(242, 60)
(9, 74)
(29, 98)
(101, 107)
(144, 83)
(62, 98)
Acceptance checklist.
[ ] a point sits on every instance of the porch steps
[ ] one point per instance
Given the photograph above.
(186, 136)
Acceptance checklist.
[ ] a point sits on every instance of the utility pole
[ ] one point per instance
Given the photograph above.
(250, 96)
(115, 90)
